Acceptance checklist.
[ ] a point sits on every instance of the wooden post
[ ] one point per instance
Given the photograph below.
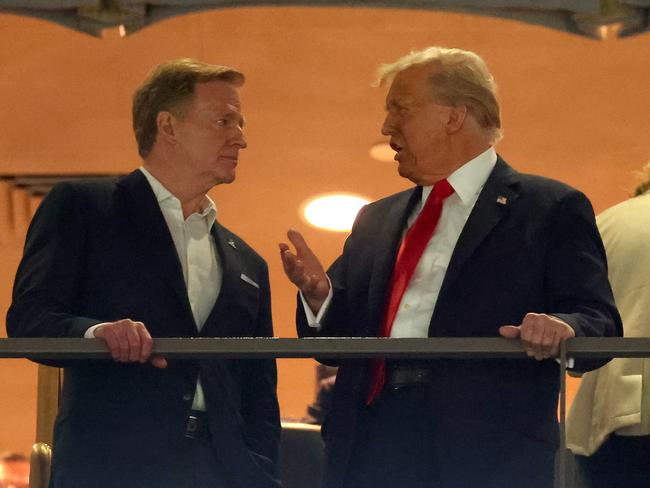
(47, 402)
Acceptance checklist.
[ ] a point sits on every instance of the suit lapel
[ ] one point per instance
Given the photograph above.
(228, 247)
(493, 204)
(155, 242)
(387, 244)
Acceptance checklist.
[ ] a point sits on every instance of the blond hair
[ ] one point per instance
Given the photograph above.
(644, 186)
(458, 78)
(169, 87)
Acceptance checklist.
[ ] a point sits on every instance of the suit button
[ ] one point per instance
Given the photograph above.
(187, 397)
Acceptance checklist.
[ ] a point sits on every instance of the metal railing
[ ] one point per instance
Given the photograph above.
(430, 348)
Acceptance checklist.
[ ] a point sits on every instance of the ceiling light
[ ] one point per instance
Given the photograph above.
(335, 212)
(382, 151)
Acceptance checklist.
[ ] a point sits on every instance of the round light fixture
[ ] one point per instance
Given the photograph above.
(334, 211)
(382, 151)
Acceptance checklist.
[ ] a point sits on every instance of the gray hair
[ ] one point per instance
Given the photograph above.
(459, 78)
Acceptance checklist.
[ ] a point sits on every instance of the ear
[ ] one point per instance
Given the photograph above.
(166, 125)
(456, 118)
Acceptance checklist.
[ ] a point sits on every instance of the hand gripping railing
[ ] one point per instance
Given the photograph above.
(344, 348)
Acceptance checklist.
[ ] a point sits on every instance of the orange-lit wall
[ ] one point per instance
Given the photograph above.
(573, 108)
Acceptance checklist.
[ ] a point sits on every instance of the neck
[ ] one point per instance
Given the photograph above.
(465, 151)
(189, 196)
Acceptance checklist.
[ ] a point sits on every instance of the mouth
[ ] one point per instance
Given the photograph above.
(233, 159)
(397, 150)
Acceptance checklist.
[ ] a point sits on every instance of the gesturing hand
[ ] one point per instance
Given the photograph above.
(129, 342)
(540, 334)
(304, 270)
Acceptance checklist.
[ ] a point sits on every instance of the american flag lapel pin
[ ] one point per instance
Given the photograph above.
(501, 200)
(231, 243)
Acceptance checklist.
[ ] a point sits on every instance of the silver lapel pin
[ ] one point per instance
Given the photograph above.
(501, 200)
(231, 243)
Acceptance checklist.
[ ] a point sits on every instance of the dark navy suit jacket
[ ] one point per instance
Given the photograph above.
(100, 251)
(536, 250)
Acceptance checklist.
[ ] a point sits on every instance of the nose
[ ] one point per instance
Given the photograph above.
(239, 139)
(387, 126)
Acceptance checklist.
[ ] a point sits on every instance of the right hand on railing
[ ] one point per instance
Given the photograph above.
(304, 270)
(129, 342)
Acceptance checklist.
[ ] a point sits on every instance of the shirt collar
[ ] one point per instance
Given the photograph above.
(208, 207)
(468, 180)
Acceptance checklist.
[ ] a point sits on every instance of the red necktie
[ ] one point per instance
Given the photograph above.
(410, 251)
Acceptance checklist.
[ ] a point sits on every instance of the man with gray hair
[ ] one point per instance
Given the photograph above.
(143, 257)
(476, 249)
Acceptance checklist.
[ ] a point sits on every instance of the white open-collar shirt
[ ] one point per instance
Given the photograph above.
(419, 299)
(197, 254)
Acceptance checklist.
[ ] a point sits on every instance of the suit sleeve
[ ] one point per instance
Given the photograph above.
(576, 284)
(259, 407)
(47, 293)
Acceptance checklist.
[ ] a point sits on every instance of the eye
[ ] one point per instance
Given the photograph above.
(221, 122)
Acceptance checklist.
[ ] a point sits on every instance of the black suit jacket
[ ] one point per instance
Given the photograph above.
(101, 251)
(539, 251)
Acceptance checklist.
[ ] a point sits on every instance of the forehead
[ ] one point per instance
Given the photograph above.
(409, 85)
(217, 95)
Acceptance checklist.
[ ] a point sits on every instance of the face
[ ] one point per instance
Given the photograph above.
(209, 134)
(418, 127)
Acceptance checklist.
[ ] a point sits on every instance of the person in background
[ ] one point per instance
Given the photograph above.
(326, 379)
(14, 470)
(145, 257)
(608, 426)
(475, 249)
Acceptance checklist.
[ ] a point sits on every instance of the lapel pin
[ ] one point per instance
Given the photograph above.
(231, 243)
(501, 200)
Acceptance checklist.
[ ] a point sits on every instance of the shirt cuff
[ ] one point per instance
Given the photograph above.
(90, 331)
(570, 363)
(314, 320)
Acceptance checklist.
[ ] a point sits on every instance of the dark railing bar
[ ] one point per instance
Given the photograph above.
(447, 347)
(561, 473)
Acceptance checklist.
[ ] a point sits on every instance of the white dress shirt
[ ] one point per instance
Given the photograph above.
(419, 300)
(197, 254)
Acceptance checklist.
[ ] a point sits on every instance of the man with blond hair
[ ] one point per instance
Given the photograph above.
(609, 423)
(476, 249)
(143, 257)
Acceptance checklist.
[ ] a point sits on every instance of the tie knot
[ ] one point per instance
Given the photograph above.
(442, 189)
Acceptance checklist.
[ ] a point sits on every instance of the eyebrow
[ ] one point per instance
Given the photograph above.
(394, 104)
(232, 114)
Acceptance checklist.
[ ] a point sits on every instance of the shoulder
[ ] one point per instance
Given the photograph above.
(626, 221)
(77, 197)
(85, 190)
(545, 189)
(383, 204)
(549, 196)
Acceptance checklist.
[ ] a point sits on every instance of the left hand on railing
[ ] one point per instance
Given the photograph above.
(540, 334)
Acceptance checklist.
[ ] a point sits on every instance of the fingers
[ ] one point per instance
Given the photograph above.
(509, 331)
(302, 268)
(145, 341)
(127, 341)
(542, 334)
(298, 242)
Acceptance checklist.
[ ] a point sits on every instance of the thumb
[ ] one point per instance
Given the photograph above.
(509, 331)
(158, 362)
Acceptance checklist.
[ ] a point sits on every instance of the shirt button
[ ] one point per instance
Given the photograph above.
(187, 397)
(407, 306)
